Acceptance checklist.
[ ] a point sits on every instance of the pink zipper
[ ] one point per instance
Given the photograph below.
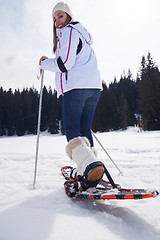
(69, 46)
(61, 84)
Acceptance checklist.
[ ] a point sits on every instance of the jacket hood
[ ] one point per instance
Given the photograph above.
(80, 28)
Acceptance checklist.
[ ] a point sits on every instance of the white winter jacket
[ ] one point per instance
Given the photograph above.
(75, 63)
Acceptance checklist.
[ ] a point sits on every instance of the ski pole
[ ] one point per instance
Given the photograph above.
(38, 127)
(106, 153)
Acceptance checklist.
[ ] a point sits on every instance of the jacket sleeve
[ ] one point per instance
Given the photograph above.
(66, 54)
(50, 64)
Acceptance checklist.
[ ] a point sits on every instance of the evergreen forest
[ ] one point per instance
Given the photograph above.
(127, 102)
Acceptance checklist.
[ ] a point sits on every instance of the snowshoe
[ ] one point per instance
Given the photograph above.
(103, 190)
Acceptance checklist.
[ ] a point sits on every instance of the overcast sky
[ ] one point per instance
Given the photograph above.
(122, 30)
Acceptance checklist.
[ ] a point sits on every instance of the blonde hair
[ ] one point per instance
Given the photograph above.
(55, 35)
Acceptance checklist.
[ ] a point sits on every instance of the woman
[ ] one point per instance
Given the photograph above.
(78, 80)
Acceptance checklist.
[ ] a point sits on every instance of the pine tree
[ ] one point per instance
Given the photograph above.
(125, 92)
(149, 94)
(18, 114)
(30, 110)
(2, 113)
(9, 107)
(124, 113)
(45, 109)
(53, 125)
(105, 116)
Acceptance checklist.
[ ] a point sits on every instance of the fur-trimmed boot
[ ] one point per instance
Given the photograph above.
(88, 166)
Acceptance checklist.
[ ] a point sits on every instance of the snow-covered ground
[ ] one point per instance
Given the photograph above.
(46, 213)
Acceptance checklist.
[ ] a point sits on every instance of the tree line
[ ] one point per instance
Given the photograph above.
(127, 102)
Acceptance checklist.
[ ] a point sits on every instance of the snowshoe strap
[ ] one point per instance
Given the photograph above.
(109, 178)
(85, 182)
(73, 173)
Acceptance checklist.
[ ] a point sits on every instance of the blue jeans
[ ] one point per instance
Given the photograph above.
(78, 109)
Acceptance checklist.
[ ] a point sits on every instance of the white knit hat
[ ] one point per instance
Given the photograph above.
(62, 7)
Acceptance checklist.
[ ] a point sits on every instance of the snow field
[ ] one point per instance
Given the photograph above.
(46, 213)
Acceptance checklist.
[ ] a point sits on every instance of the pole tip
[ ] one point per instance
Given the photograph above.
(120, 174)
(33, 186)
